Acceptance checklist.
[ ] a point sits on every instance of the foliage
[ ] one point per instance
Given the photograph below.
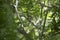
(29, 19)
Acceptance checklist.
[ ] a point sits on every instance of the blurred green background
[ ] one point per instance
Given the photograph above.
(29, 19)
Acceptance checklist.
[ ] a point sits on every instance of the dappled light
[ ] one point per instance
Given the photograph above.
(29, 19)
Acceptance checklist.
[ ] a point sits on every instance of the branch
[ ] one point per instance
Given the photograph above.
(23, 32)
